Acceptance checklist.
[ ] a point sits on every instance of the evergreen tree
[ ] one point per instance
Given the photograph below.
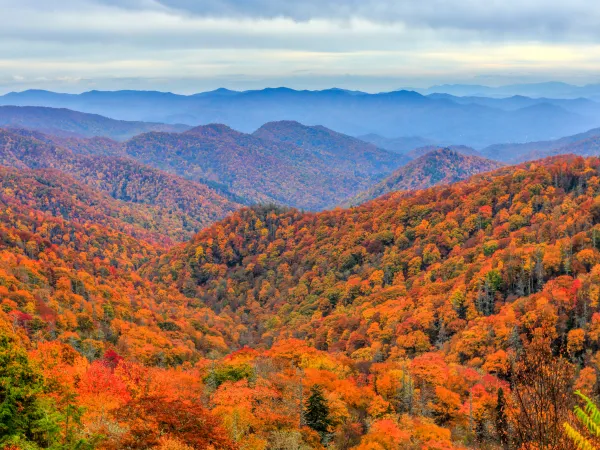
(316, 411)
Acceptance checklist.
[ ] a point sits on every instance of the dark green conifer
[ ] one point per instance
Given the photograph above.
(316, 411)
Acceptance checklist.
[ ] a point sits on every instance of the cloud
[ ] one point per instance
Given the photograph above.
(382, 44)
(552, 18)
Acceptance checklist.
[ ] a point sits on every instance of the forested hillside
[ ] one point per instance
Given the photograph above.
(460, 149)
(70, 295)
(266, 170)
(454, 298)
(419, 320)
(334, 148)
(98, 145)
(174, 208)
(251, 225)
(436, 166)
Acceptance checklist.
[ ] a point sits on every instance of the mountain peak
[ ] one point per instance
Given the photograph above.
(443, 165)
(406, 94)
(222, 92)
(283, 124)
(212, 130)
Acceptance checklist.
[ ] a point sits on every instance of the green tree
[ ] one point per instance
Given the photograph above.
(220, 374)
(316, 411)
(27, 419)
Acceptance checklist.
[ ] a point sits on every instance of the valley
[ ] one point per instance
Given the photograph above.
(295, 287)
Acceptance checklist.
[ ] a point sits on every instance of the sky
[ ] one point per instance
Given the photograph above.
(189, 46)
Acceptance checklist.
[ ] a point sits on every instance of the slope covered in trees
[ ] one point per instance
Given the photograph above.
(71, 297)
(333, 148)
(98, 145)
(439, 166)
(420, 320)
(69, 258)
(52, 192)
(264, 170)
(170, 207)
(66, 122)
(448, 286)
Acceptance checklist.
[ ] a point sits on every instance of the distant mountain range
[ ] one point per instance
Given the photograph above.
(399, 145)
(583, 144)
(548, 89)
(65, 122)
(435, 119)
(582, 106)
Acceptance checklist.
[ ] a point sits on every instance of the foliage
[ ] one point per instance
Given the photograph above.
(217, 376)
(439, 166)
(589, 419)
(152, 419)
(27, 419)
(439, 319)
(541, 398)
(281, 163)
(152, 204)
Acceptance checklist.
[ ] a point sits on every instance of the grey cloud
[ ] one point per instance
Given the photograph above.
(129, 41)
(453, 20)
(507, 16)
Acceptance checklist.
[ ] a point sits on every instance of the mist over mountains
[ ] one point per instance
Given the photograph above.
(477, 122)
(65, 122)
(552, 89)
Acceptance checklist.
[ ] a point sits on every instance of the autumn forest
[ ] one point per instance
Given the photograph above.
(176, 288)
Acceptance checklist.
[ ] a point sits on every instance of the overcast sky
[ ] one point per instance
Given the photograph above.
(375, 45)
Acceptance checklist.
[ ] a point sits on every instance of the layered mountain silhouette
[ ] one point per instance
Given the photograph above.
(581, 143)
(331, 147)
(402, 144)
(133, 280)
(401, 113)
(552, 89)
(68, 123)
(284, 163)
